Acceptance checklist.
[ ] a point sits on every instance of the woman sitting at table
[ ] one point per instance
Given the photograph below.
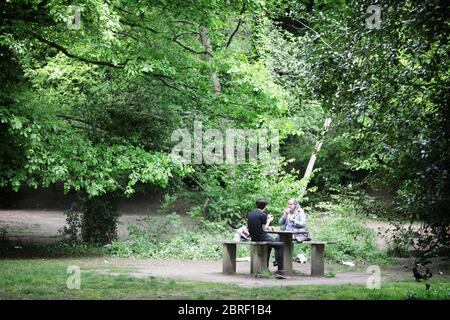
(294, 219)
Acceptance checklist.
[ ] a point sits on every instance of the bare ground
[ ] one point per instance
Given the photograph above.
(41, 226)
(210, 271)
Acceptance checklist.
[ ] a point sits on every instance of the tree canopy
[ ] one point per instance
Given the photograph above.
(92, 103)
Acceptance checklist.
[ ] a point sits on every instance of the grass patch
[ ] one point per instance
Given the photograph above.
(46, 279)
(58, 249)
(341, 224)
(169, 237)
(264, 274)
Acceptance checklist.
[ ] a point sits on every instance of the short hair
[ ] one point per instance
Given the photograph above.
(261, 203)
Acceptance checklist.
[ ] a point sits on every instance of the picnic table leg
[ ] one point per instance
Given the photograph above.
(229, 258)
(258, 260)
(317, 260)
(288, 249)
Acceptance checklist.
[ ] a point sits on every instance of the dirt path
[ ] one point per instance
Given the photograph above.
(41, 226)
(383, 231)
(381, 228)
(210, 271)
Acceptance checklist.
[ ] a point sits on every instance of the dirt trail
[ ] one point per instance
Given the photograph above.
(210, 271)
(41, 226)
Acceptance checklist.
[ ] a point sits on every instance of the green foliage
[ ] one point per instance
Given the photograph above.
(168, 237)
(419, 241)
(173, 237)
(54, 155)
(232, 190)
(63, 248)
(72, 230)
(94, 108)
(264, 274)
(399, 249)
(91, 221)
(99, 220)
(66, 248)
(387, 93)
(340, 224)
(3, 233)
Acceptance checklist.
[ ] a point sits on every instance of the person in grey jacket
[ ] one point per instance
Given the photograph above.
(294, 219)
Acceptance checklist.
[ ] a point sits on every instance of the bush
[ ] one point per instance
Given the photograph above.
(420, 241)
(400, 244)
(91, 220)
(227, 193)
(3, 233)
(72, 230)
(69, 249)
(99, 220)
(341, 224)
(169, 237)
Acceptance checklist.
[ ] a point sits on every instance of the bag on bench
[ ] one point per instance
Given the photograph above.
(300, 237)
(242, 234)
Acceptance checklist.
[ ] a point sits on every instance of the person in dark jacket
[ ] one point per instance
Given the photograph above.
(258, 222)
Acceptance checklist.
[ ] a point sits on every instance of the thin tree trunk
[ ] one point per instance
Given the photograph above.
(317, 147)
(206, 42)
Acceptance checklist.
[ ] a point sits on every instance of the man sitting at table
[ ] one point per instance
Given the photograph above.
(258, 223)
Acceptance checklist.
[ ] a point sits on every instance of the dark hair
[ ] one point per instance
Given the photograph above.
(261, 203)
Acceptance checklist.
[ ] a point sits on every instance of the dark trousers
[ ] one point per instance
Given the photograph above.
(278, 250)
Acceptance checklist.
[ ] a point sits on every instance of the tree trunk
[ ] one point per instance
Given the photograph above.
(206, 42)
(317, 148)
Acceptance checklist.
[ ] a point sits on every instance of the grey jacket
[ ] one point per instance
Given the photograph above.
(300, 223)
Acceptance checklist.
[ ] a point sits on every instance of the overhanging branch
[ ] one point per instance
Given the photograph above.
(74, 56)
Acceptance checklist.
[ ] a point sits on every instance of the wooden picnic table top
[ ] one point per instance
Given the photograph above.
(284, 232)
(277, 243)
(248, 242)
(317, 242)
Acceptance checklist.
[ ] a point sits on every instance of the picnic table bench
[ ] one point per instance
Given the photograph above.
(259, 256)
(317, 256)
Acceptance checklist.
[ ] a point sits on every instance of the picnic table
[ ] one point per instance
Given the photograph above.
(259, 253)
(317, 252)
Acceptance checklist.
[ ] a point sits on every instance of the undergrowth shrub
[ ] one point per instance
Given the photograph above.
(170, 237)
